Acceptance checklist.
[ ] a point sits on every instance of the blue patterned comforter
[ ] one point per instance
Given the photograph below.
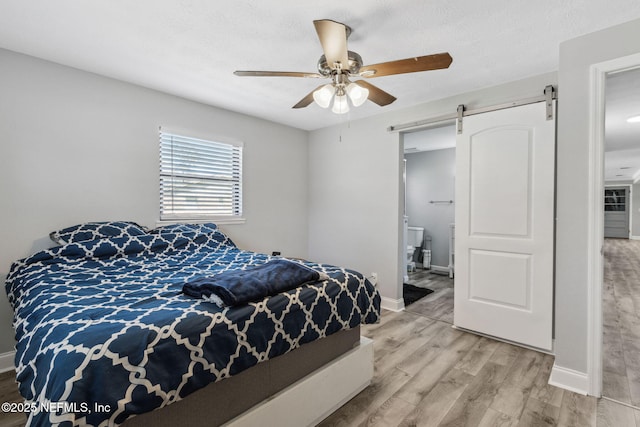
(104, 331)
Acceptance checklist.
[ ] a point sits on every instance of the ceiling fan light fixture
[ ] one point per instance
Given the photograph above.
(339, 64)
(357, 94)
(340, 104)
(323, 95)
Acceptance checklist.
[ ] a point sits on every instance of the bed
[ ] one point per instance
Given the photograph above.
(104, 331)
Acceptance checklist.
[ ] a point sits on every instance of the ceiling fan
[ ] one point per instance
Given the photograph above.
(340, 65)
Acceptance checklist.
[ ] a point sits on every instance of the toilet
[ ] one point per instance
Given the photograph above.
(415, 237)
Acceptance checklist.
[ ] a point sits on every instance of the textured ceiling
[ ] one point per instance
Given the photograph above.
(191, 48)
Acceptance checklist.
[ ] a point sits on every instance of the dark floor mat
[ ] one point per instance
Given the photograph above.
(412, 293)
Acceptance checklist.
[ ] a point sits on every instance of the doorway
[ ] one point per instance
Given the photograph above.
(621, 272)
(595, 215)
(507, 149)
(429, 156)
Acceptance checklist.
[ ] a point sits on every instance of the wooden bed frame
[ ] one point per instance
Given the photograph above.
(299, 388)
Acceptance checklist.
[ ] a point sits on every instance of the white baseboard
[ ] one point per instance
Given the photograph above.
(634, 237)
(6, 361)
(392, 304)
(569, 379)
(439, 268)
(331, 387)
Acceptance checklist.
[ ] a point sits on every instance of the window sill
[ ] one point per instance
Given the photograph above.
(217, 221)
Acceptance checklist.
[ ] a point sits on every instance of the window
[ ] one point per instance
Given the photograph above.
(199, 179)
(615, 200)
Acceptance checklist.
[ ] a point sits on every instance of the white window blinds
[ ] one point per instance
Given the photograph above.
(199, 179)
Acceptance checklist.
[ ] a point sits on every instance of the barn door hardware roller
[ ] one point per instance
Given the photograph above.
(548, 97)
(460, 114)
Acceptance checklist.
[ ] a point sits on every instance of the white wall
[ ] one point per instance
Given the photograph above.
(576, 58)
(80, 147)
(355, 190)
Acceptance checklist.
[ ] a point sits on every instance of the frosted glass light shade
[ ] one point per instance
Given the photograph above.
(357, 94)
(340, 104)
(323, 95)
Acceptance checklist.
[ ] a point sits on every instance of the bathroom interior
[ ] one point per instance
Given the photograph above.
(429, 230)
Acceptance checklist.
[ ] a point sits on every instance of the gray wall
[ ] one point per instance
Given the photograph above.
(431, 176)
(354, 200)
(79, 147)
(576, 58)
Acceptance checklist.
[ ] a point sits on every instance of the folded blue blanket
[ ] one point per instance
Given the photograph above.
(237, 287)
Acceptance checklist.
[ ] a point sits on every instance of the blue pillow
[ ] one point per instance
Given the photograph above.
(97, 230)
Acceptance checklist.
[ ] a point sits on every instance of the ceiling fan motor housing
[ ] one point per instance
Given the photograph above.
(355, 62)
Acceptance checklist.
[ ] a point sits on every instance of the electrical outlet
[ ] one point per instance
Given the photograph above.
(276, 253)
(374, 279)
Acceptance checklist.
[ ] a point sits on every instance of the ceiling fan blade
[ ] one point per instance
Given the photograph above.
(376, 94)
(333, 38)
(409, 65)
(277, 74)
(307, 99)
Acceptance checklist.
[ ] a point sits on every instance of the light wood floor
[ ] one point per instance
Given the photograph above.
(621, 321)
(9, 393)
(429, 374)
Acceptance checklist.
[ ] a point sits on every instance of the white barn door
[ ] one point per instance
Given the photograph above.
(505, 163)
